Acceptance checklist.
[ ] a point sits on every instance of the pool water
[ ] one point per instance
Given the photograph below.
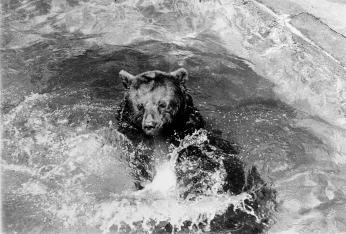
(64, 167)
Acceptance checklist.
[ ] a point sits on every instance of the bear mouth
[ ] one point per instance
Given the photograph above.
(151, 131)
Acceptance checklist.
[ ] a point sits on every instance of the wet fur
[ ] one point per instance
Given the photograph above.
(185, 121)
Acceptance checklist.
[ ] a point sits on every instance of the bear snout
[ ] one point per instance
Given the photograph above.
(150, 125)
(151, 129)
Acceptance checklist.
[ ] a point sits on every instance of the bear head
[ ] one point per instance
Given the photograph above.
(155, 99)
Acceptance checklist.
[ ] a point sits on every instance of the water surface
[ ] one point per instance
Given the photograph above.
(62, 156)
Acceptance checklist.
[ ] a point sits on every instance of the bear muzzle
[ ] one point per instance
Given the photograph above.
(150, 125)
(151, 129)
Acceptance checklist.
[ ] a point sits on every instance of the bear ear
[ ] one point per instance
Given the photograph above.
(126, 78)
(181, 75)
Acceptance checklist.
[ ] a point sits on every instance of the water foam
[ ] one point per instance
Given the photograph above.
(149, 213)
(71, 175)
(160, 203)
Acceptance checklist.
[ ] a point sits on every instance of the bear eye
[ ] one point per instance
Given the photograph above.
(162, 105)
(140, 106)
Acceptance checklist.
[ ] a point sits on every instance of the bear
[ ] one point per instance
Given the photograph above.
(157, 106)
(203, 169)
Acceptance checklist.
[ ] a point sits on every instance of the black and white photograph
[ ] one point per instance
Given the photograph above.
(173, 116)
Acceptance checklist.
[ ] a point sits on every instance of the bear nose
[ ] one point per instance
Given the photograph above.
(150, 125)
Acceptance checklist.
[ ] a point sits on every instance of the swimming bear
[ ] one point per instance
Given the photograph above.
(157, 105)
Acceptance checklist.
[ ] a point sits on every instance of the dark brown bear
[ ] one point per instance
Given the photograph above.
(157, 106)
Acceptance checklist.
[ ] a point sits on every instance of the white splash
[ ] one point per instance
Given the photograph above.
(165, 180)
(149, 210)
(159, 203)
